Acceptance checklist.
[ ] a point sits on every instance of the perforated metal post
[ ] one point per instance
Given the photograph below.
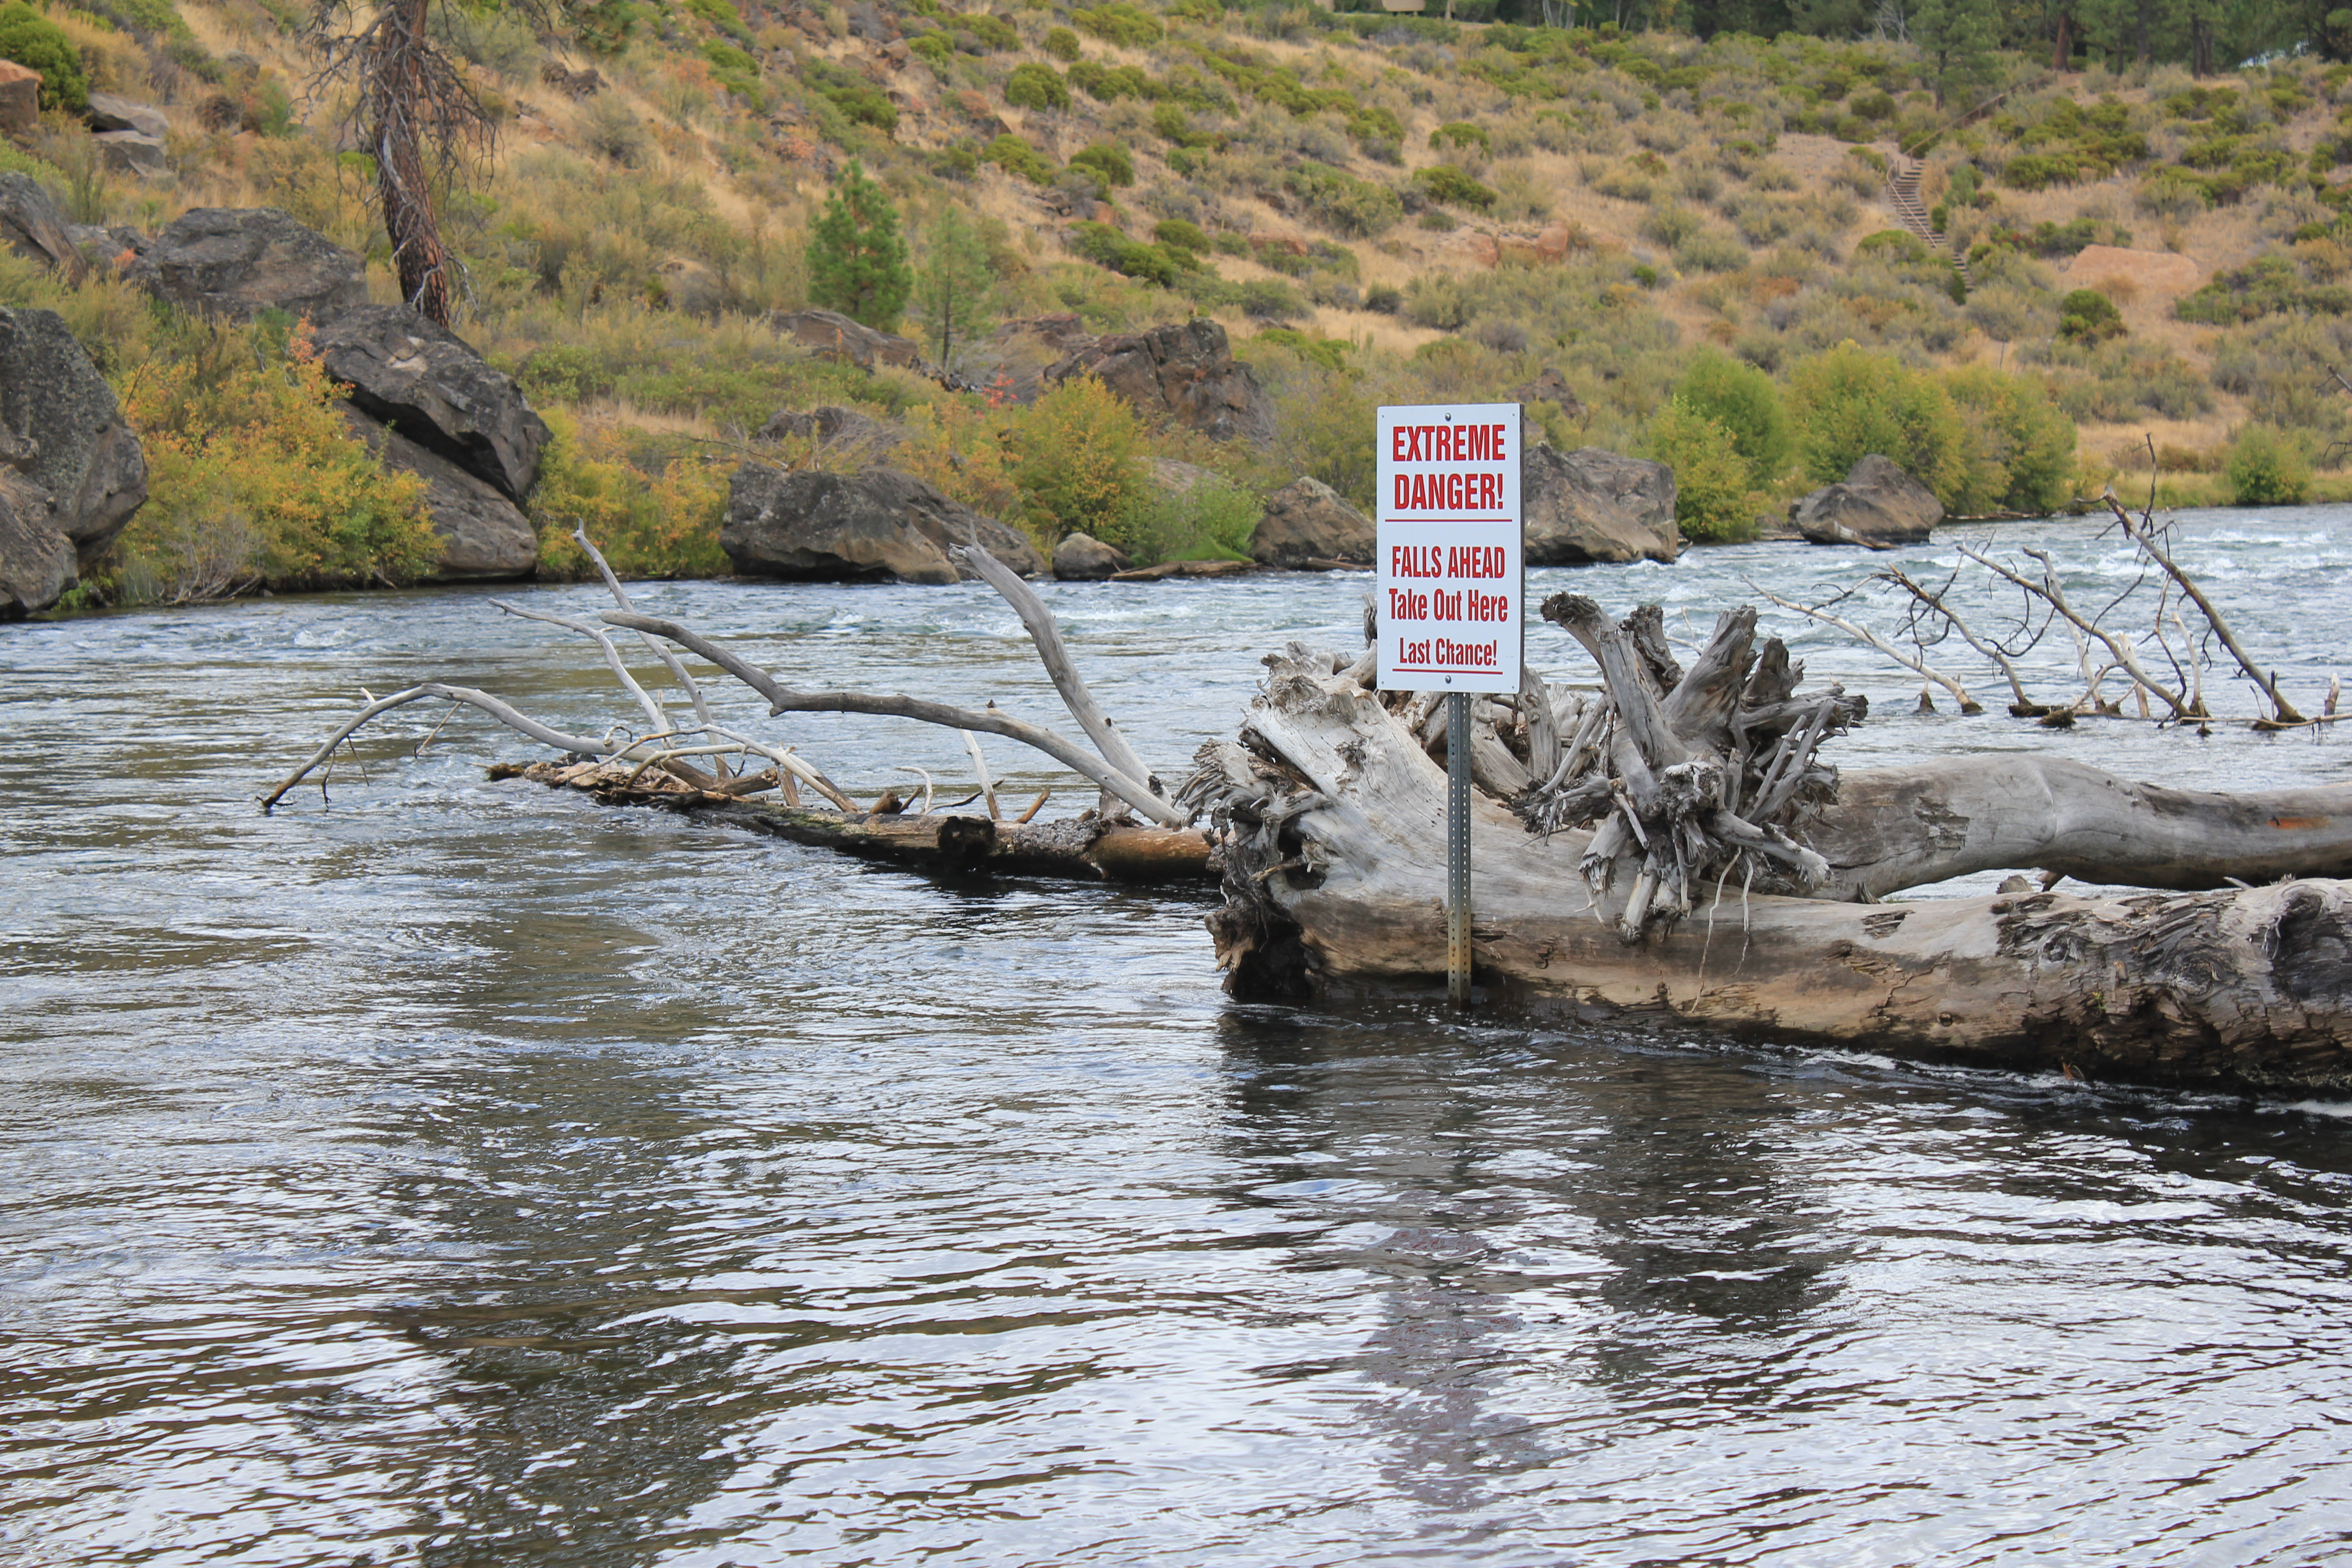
(1457, 848)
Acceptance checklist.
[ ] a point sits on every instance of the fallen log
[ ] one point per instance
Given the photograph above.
(1330, 817)
(1087, 848)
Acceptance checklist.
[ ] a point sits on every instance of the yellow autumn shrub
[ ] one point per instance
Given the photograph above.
(253, 477)
(647, 525)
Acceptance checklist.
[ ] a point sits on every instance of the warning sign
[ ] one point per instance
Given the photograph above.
(1450, 550)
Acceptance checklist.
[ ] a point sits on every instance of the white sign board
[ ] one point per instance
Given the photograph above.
(1449, 549)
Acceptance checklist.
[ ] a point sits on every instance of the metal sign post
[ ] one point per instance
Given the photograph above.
(1449, 591)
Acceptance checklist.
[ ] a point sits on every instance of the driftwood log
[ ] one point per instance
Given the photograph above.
(1091, 848)
(1682, 848)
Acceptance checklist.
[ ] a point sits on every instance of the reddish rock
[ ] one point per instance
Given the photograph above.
(20, 95)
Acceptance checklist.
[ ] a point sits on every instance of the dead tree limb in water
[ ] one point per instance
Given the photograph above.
(651, 767)
(1330, 819)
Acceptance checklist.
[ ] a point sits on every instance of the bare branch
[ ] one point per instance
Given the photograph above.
(783, 698)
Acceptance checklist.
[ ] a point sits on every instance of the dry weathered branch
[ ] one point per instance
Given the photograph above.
(659, 649)
(645, 704)
(584, 745)
(2143, 533)
(1048, 636)
(783, 698)
(1863, 633)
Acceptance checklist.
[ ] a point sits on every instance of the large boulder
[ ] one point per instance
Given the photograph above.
(237, 262)
(828, 334)
(1878, 507)
(1590, 506)
(20, 100)
(1082, 558)
(1182, 371)
(424, 380)
(37, 561)
(483, 535)
(878, 526)
(1305, 520)
(64, 431)
(112, 111)
(31, 225)
(132, 152)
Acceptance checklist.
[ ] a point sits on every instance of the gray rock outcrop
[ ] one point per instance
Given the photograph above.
(132, 152)
(426, 382)
(831, 335)
(1182, 371)
(881, 525)
(484, 536)
(1877, 506)
(1592, 506)
(37, 561)
(1307, 519)
(237, 262)
(1082, 558)
(112, 111)
(63, 431)
(843, 433)
(31, 225)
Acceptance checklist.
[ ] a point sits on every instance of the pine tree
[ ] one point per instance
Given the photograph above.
(1957, 38)
(857, 257)
(951, 287)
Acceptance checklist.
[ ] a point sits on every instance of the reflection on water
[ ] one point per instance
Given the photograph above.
(460, 1174)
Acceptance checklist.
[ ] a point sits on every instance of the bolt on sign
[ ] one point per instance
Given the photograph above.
(1451, 552)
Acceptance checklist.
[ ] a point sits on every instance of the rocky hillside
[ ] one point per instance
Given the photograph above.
(1373, 208)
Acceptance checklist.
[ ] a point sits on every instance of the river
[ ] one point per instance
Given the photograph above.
(457, 1173)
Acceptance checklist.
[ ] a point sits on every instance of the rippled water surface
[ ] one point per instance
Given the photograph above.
(450, 1172)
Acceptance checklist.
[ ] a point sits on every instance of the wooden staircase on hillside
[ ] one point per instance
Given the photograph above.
(1903, 173)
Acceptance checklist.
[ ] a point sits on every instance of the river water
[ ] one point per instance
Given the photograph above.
(451, 1173)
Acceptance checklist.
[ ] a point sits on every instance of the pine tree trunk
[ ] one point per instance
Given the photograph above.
(394, 68)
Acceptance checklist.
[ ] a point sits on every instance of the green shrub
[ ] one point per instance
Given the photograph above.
(1121, 22)
(993, 34)
(1713, 502)
(1711, 250)
(1894, 243)
(722, 15)
(1107, 164)
(1033, 85)
(1462, 136)
(1446, 183)
(934, 49)
(2087, 316)
(2267, 467)
(2271, 285)
(1847, 402)
(1341, 202)
(2021, 455)
(1175, 233)
(1077, 463)
(29, 38)
(1015, 156)
(1062, 43)
(1746, 403)
(1214, 521)
(1106, 246)
(858, 101)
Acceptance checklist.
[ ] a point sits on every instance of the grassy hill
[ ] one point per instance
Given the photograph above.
(1378, 208)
